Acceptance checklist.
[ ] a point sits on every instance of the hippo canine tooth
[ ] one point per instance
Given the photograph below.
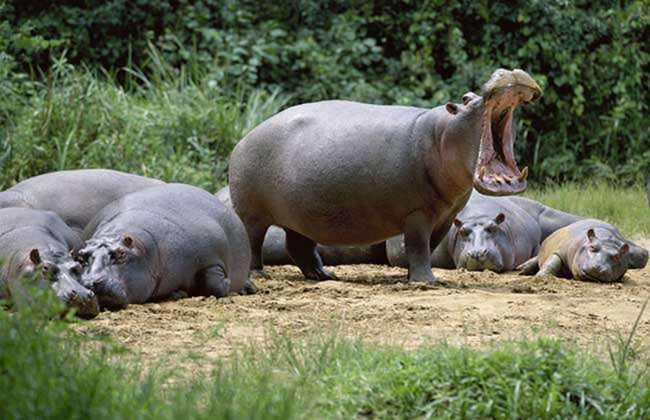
(482, 172)
(524, 174)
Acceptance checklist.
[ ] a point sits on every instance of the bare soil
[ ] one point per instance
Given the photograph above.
(374, 304)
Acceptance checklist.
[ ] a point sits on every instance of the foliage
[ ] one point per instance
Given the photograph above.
(591, 58)
(48, 371)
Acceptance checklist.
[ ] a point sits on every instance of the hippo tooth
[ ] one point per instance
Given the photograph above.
(524, 174)
(508, 179)
(498, 178)
(482, 172)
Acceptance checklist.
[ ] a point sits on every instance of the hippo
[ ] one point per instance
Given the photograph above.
(38, 243)
(275, 252)
(152, 243)
(589, 250)
(75, 195)
(491, 233)
(348, 173)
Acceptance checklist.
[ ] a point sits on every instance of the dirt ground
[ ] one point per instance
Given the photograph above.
(374, 304)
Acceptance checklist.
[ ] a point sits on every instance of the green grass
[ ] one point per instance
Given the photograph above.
(46, 371)
(625, 207)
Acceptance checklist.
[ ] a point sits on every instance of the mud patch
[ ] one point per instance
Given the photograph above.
(373, 303)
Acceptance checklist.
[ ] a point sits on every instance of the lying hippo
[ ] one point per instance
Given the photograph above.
(275, 252)
(589, 250)
(346, 173)
(76, 196)
(491, 233)
(38, 243)
(152, 243)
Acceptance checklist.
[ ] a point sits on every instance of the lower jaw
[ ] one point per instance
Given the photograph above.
(497, 179)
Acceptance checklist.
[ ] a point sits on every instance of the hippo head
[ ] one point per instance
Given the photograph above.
(486, 124)
(600, 260)
(112, 265)
(481, 244)
(62, 272)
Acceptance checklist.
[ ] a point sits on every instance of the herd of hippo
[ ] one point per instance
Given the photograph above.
(318, 184)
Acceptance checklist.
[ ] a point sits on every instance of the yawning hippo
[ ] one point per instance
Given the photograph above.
(275, 251)
(346, 173)
(38, 243)
(589, 250)
(491, 233)
(77, 195)
(160, 240)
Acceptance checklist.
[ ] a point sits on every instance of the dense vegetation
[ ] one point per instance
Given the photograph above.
(166, 87)
(48, 372)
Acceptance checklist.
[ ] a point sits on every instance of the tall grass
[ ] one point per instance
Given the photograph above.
(168, 125)
(624, 207)
(48, 372)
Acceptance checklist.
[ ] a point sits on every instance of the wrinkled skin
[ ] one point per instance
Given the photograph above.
(77, 195)
(155, 242)
(37, 244)
(275, 251)
(345, 173)
(588, 250)
(481, 239)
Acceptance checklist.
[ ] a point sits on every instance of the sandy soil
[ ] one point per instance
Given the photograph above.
(374, 304)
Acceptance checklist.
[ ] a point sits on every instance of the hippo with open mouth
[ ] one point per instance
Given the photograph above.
(589, 250)
(347, 173)
(155, 242)
(39, 244)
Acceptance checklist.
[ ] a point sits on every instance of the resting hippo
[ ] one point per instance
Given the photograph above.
(152, 243)
(34, 242)
(346, 173)
(76, 196)
(589, 250)
(491, 233)
(275, 252)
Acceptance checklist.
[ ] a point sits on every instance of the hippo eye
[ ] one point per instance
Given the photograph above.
(594, 248)
(118, 256)
(490, 229)
(464, 231)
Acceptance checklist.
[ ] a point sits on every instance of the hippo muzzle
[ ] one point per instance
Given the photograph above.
(496, 170)
(481, 259)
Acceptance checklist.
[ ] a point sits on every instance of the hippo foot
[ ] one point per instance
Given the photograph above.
(422, 278)
(250, 288)
(319, 274)
(259, 273)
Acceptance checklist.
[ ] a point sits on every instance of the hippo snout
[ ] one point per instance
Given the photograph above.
(85, 303)
(110, 294)
(481, 259)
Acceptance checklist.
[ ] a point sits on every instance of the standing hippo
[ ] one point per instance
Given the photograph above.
(77, 195)
(157, 241)
(275, 251)
(491, 233)
(346, 173)
(38, 243)
(589, 250)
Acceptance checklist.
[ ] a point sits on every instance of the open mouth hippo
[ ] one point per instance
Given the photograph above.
(491, 233)
(589, 250)
(37, 244)
(152, 243)
(346, 173)
(77, 195)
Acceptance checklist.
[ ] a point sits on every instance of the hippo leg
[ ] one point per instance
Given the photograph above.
(529, 268)
(302, 251)
(250, 288)
(417, 238)
(212, 281)
(256, 233)
(552, 266)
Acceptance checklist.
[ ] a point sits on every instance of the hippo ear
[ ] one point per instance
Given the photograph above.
(452, 108)
(500, 218)
(458, 223)
(591, 235)
(35, 256)
(127, 241)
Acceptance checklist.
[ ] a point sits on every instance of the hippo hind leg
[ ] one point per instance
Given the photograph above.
(256, 233)
(212, 281)
(302, 251)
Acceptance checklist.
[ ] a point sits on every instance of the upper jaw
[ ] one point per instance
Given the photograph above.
(496, 170)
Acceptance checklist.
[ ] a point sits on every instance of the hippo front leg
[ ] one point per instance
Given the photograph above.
(417, 238)
(212, 281)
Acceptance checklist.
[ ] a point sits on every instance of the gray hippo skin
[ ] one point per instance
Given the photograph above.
(275, 252)
(491, 233)
(38, 243)
(346, 173)
(589, 250)
(77, 195)
(152, 243)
